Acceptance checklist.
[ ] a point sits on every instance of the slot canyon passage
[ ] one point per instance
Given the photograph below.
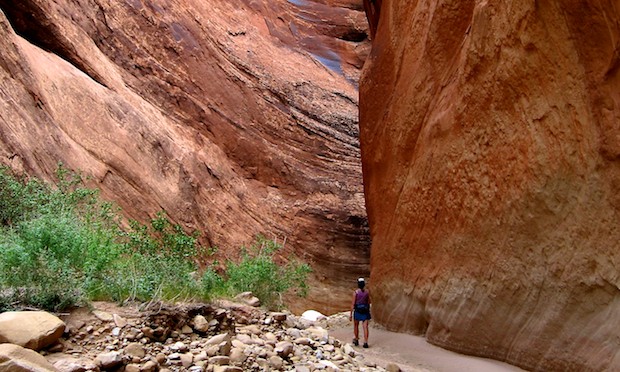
(489, 136)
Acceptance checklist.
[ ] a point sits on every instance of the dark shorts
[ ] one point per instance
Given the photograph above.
(361, 313)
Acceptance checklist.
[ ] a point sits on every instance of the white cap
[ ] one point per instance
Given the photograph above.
(360, 280)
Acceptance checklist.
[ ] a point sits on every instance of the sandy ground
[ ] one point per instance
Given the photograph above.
(414, 354)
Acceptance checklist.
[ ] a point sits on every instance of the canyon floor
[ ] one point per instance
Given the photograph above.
(414, 354)
(410, 353)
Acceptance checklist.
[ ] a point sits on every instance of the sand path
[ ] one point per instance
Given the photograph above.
(414, 354)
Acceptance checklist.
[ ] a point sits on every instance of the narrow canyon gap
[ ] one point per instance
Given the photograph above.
(236, 117)
(490, 137)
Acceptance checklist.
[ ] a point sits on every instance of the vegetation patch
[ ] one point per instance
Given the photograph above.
(62, 246)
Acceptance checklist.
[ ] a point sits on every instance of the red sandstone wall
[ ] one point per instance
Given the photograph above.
(236, 117)
(490, 137)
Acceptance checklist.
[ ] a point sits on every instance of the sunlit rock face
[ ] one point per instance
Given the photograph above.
(490, 135)
(236, 117)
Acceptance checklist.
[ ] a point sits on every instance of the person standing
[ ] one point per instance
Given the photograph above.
(360, 311)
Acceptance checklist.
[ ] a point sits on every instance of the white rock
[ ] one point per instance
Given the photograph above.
(312, 315)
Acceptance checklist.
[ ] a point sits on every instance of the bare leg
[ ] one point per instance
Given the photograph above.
(365, 326)
(356, 331)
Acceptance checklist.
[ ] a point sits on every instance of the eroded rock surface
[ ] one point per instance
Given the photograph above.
(490, 143)
(235, 117)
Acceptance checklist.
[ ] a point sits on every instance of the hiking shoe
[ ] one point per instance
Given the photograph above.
(365, 345)
(356, 342)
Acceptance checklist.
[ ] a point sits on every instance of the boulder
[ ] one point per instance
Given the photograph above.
(14, 358)
(30, 329)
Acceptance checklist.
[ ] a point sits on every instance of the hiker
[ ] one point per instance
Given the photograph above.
(360, 311)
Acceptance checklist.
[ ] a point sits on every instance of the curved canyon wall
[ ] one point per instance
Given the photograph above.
(490, 136)
(236, 117)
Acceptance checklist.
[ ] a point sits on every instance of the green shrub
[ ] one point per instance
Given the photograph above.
(258, 273)
(212, 284)
(63, 246)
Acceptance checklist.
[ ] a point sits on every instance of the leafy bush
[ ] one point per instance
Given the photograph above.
(62, 246)
(258, 273)
(51, 250)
